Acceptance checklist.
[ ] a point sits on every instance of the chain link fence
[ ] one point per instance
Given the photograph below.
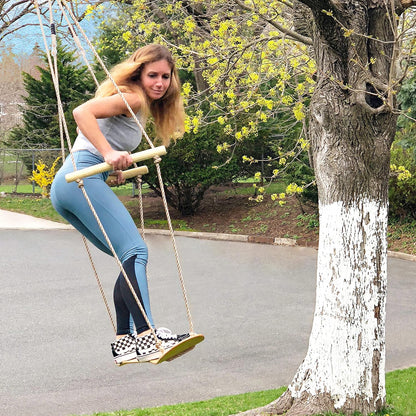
(16, 166)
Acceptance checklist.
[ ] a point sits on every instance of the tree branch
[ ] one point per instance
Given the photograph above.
(288, 32)
(407, 3)
(12, 11)
(317, 5)
(98, 3)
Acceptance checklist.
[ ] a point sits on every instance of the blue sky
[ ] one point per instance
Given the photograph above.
(23, 41)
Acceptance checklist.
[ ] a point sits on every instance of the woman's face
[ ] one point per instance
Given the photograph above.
(156, 78)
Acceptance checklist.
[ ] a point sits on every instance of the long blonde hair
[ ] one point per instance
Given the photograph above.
(168, 112)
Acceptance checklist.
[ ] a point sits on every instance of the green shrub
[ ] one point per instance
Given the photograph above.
(402, 187)
(402, 197)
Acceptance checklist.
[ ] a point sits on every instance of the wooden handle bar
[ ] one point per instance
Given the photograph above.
(105, 167)
(131, 173)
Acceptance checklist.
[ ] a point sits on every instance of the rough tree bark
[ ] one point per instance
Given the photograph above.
(351, 129)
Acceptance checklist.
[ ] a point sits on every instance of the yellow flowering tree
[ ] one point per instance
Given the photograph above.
(43, 175)
(251, 74)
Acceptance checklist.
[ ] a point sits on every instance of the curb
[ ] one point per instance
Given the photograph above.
(402, 256)
(228, 237)
(276, 241)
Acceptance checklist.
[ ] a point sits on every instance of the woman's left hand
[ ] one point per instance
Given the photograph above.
(115, 178)
(120, 178)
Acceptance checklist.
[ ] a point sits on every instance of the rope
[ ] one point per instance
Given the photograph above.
(81, 186)
(53, 73)
(55, 63)
(100, 286)
(63, 125)
(172, 235)
(139, 182)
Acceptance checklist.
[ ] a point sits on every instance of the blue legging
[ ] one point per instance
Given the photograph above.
(69, 201)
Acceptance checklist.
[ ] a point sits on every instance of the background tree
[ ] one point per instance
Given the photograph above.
(402, 187)
(406, 134)
(12, 14)
(238, 62)
(40, 126)
(18, 22)
(191, 166)
(11, 87)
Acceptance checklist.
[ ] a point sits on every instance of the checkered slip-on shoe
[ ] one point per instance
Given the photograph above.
(169, 339)
(146, 348)
(124, 349)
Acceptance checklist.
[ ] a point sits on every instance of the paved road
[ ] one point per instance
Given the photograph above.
(254, 303)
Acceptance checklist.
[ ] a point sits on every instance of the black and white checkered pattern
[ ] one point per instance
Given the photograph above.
(168, 338)
(124, 349)
(146, 348)
(143, 348)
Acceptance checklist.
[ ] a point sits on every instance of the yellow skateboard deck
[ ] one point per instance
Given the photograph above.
(183, 347)
(175, 352)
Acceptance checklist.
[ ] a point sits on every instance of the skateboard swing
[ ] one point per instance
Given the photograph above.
(176, 351)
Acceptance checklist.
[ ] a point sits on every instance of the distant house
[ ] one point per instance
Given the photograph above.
(11, 85)
(10, 114)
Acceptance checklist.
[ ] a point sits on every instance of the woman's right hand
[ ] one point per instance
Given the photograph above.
(119, 160)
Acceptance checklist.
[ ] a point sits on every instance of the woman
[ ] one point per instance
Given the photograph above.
(107, 132)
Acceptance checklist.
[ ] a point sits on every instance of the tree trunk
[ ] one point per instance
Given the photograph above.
(344, 367)
(351, 130)
(188, 198)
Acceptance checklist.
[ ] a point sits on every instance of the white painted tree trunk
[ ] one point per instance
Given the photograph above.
(343, 370)
(346, 355)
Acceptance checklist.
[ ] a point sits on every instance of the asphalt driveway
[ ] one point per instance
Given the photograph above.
(254, 304)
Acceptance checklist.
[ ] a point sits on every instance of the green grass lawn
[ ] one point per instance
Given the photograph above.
(220, 406)
(10, 166)
(401, 401)
(401, 392)
(27, 188)
(27, 202)
(37, 207)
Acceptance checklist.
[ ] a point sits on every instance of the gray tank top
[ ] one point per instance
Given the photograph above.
(121, 132)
